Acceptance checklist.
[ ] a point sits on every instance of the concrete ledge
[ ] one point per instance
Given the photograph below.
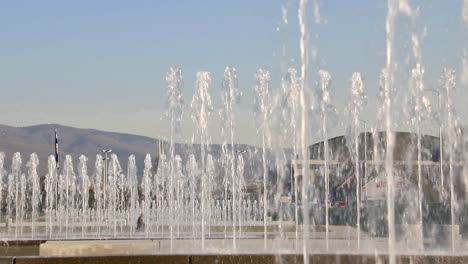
(9, 243)
(319, 259)
(19, 251)
(174, 259)
(234, 259)
(6, 260)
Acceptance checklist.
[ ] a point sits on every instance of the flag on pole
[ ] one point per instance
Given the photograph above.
(56, 150)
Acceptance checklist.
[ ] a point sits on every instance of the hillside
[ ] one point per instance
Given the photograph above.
(90, 142)
(73, 141)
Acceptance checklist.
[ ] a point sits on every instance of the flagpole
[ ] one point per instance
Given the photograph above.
(57, 170)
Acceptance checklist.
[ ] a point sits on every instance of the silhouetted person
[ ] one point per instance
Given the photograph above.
(140, 223)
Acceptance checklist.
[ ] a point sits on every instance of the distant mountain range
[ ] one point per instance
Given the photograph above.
(89, 142)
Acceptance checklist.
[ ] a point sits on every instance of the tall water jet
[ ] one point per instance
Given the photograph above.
(133, 185)
(10, 198)
(180, 186)
(193, 174)
(175, 106)
(162, 175)
(178, 177)
(51, 193)
(417, 87)
(13, 188)
(464, 77)
(240, 186)
(263, 110)
(2, 179)
(279, 138)
(113, 174)
(230, 97)
(226, 163)
(122, 189)
(98, 189)
(387, 90)
(84, 183)
(210, 175)
(201, 110)
(325, 102)
(36, 197)
(452, 127)
(416, 113)
(67, 191)
(291, 85)
(356, 105)
(23, 200)
(146, 188)
(394, 6)
(304, 118)
(156, 190)
(388, 165)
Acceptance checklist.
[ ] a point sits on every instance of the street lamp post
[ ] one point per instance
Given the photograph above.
(441, 160)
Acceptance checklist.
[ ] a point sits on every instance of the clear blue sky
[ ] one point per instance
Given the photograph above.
(101, 64)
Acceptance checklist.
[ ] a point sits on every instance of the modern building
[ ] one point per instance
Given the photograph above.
(340, 167)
